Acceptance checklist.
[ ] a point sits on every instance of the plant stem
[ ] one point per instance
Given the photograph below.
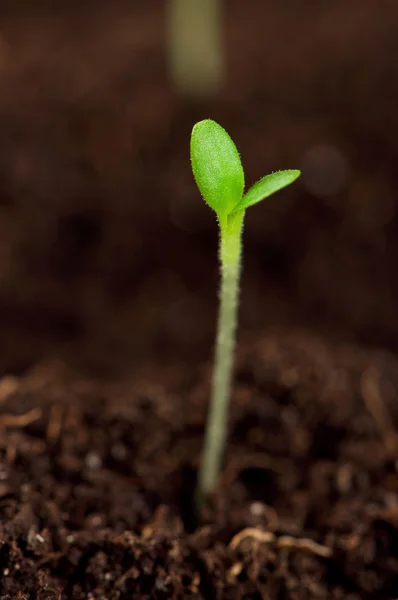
(194, 44)
(217, 423)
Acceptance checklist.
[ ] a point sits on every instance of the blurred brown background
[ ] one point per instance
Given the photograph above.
(108, 254)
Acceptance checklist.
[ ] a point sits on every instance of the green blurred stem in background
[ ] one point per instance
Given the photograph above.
(195, 49)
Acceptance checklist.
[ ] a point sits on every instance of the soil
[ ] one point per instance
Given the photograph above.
(107, 308)
(97, 480)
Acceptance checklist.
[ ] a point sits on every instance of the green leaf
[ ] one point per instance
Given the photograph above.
(267, 186)
(216, 167)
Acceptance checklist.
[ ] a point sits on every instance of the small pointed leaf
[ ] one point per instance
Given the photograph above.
(267, 186)
(216, 167)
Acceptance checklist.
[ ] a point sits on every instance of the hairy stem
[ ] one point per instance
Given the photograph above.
(217, 423)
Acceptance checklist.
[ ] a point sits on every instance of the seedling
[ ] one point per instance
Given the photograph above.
(219, 176)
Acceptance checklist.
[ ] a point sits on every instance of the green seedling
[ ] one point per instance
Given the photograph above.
(220, 178)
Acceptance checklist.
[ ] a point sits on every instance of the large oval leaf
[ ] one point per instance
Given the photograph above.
(216, 167)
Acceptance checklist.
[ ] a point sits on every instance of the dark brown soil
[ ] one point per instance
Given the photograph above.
(98, 208)
(97, 481)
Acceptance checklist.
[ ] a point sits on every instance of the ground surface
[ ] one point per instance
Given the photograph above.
(97, 481)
